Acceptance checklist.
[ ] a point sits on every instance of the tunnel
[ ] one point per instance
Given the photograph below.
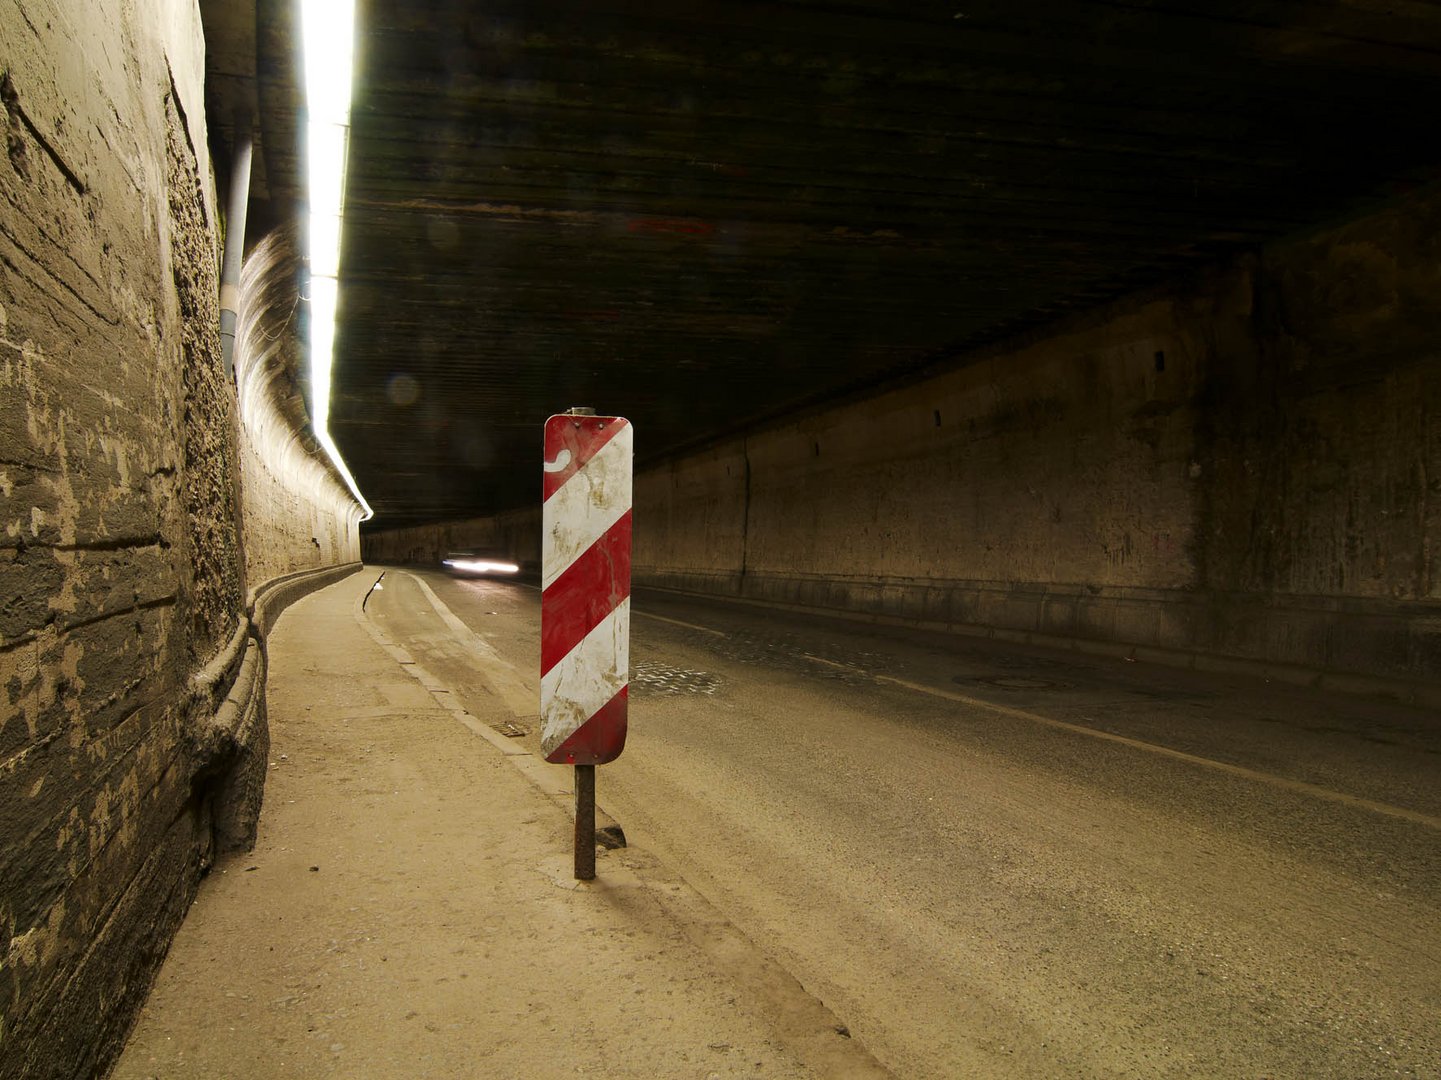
(1033, 528)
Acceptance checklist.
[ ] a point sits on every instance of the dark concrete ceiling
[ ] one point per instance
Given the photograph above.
(699, 215)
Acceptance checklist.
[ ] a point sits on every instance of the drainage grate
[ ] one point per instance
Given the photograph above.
(664, 679)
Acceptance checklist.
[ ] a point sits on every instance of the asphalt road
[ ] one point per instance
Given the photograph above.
(1003, 861)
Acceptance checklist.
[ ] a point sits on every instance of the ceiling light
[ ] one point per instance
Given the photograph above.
(328, 31)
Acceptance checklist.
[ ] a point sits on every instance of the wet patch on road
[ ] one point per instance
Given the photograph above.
(1012, 682)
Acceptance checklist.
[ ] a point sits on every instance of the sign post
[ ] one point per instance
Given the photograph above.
(585, 604)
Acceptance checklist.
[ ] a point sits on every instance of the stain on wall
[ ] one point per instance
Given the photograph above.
(1321, 440)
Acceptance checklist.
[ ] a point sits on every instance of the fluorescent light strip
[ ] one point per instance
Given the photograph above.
(328, 27)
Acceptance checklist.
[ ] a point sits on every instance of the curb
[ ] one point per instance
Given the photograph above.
(267, 601)
(814, 1033)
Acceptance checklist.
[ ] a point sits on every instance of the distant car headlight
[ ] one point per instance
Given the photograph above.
(481, 566)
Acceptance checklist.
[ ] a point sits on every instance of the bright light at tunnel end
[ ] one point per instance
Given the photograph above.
(328, 35)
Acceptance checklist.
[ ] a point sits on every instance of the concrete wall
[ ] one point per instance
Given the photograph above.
(132, 727)
(298, 513)
(1245, 467)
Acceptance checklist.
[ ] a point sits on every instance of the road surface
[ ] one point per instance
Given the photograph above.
(1004, 861)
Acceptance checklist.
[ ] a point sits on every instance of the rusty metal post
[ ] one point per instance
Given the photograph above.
(585, 822)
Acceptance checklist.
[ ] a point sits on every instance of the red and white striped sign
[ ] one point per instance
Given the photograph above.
(585, 582)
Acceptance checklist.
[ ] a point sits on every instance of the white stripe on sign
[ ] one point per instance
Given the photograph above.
(587, 505)
(590, 675)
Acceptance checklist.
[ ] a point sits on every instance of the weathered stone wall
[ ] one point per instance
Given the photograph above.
(132, 728)
(1245, 467)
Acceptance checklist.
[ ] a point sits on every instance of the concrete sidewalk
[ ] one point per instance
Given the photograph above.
(409, 911)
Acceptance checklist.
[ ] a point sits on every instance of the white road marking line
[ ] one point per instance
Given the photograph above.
(649, 615)
(832, 663)
(507, 682)
(678, 622)
(1297, 786)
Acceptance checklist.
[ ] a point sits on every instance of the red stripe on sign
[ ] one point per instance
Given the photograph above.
(582, 437)
(599, 739)
(590, 589)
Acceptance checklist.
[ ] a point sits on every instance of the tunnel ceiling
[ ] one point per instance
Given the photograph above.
(703, 215)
